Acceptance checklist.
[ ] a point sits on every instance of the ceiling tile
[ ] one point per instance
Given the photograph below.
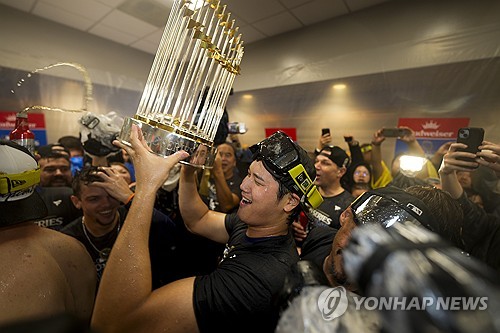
(362, 4)
(294, 3)
(24, 5)
(104, 31)
(278, 24)
(154, 37)
(319, 10)
(254, 10)
(127, 24)
(111, 3)
(89, 9)
(250, 34)
(145, 45)
(63, 17)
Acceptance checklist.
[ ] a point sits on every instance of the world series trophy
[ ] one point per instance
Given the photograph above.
(190, 80)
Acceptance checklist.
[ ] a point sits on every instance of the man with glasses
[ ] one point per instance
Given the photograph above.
(238, 295)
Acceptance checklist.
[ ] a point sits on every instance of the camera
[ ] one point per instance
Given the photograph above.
(236, 128)
(463, 133)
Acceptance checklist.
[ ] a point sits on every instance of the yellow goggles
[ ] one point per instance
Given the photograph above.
(15, 182)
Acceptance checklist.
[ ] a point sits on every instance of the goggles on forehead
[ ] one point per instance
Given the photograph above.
(372, 208)
(282, 159)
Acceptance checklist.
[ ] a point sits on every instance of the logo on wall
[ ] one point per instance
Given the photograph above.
(432, 133)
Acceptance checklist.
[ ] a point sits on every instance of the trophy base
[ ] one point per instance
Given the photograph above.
(164, 142)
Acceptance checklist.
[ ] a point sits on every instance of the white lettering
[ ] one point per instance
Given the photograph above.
(374, 301)
(427, 301)
(484, 303)
(455, 303)
(358, 301)
(443, 303)
(399, 303)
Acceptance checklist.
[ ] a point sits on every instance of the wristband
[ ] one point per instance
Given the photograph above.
(129, 199)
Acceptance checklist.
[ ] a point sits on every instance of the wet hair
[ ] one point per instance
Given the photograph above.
(86, 176)
(448, 214)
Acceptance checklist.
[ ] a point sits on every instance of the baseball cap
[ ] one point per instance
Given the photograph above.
(290, 165)
(53, 150)
(336, 154)
(390, 205)
(19, 176)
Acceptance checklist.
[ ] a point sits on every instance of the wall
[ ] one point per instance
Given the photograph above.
(399, 59)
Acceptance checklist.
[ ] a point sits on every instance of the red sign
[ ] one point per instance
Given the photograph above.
(291, 132)
(8, 120)
(435, 128)
(36, 124)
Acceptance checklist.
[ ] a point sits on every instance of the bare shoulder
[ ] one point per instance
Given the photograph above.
(43, 268)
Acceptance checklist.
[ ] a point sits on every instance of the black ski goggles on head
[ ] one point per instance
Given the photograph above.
(373, 208)
(281, 158)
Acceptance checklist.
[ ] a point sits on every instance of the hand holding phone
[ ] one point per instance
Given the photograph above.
(395, 132)
(325, 131)
(473, 138)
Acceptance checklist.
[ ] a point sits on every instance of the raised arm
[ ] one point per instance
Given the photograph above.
(452, 163)
(125, 301)
(227, 199)
(490, 157)
(414, 148)
(376, 161)
(195, 214)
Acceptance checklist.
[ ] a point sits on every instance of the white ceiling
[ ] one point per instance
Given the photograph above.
(139, 23)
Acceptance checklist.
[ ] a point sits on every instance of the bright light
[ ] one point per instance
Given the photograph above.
(411, 165)
(247, 96)
(339, 86)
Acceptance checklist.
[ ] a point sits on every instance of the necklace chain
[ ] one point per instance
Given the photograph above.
(88, 238)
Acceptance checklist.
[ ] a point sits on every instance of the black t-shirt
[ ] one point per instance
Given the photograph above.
(162, 246)
(317, 245)
(60, 209)
(328, 213)
(238, 295)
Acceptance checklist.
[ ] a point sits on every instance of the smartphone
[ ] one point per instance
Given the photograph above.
(325, 131)
(471, 136)
(236, 128)
(395, 132)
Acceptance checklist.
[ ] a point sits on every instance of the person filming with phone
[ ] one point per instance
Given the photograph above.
(481, 231)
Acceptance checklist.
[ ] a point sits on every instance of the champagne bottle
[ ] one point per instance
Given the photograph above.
(22, 134)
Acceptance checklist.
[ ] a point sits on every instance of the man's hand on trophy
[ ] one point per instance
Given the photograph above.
(151, 170)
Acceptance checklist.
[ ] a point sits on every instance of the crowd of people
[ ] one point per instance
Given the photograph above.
(132, 241)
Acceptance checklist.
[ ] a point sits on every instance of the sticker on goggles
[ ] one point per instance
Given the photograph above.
(372, 208)
(306, 185)
(15, 182)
